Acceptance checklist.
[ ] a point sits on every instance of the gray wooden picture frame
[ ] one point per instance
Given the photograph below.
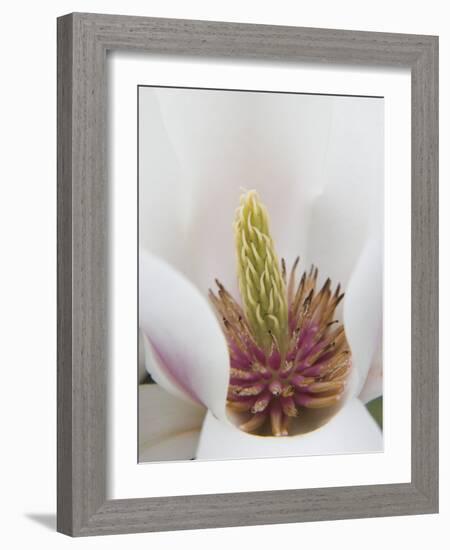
(83, 41)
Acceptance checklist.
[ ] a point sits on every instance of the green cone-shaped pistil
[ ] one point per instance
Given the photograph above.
(261, 282)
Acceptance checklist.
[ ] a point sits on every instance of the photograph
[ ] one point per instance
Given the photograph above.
(260, 274)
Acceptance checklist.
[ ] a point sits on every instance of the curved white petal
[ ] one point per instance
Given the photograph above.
(373, 386)
(352, 430)
(164, 198)
(363, 308)
(169, 429)
(184, 334)
(225, 141)
(350, 206)
(161, 373)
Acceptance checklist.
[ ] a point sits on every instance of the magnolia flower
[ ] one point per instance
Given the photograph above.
(331, 220)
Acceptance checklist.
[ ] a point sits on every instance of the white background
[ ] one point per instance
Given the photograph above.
(28, 299)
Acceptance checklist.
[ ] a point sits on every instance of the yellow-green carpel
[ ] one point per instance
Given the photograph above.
(261, 282)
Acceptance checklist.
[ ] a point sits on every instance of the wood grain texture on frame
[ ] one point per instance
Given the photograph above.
(83, 40)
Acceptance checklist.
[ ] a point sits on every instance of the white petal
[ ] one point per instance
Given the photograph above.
(363, 308)
(168, 428)
(163, 376)
(352, 430)
(350, 207)
(226, 141)
(347, 223)
(373, 386)
(164, 199)
(184, 334)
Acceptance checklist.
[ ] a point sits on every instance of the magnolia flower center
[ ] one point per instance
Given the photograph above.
(287, 352)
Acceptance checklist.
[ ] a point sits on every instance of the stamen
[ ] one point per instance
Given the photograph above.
(288, 406)
(240, 406)
(290, 290)
(274, 358)
(261, 403)
(276, 417)
(285, 353)
(275, 387)
(255, 422)
(287, 391)
(320, 387)
(316, 402)
(257, 367)
(243, 375)
(302, 382)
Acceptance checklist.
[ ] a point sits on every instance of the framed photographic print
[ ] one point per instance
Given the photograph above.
(247, 274)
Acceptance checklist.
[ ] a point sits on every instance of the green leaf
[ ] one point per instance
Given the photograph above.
(375, 407)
